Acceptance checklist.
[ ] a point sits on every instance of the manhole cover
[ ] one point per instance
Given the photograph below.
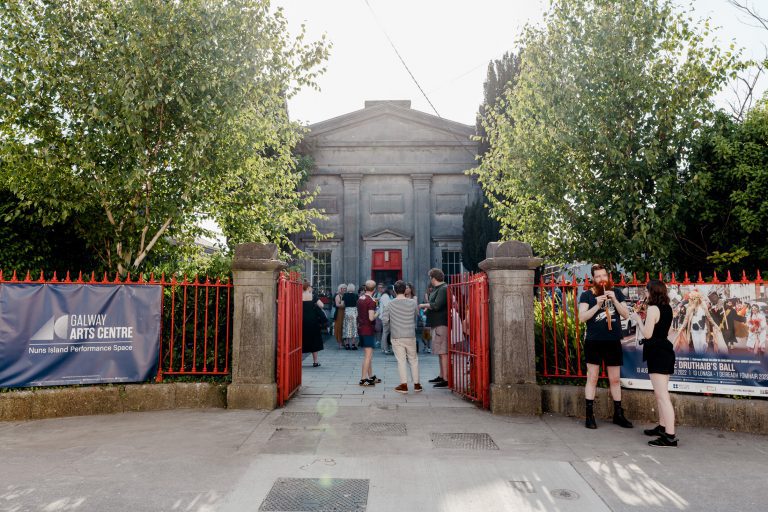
(298, 419)
(382, 429)
(564, 494)
(523, 486)
(463, 441)
(317, 495)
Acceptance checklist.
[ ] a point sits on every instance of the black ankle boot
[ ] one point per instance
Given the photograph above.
(618, 416)
(590, 421)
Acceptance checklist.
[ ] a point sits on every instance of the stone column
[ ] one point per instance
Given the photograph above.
(255, 270)
(510, 268)
(422, 230)
(351, 254)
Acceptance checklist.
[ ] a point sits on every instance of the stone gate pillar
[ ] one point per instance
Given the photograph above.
(510, 268)
(255, 270)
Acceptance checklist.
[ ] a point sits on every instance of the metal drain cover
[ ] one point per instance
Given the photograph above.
(298, 419)
(564, 494)
(382, 429)
(463, 441)
(317, 495)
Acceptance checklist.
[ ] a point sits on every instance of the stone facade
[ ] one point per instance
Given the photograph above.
(391, 181)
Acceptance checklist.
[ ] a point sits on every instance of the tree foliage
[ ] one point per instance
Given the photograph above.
(502, 75)
(609, 98)
(478, 230)
(724, 213)
(140, 118)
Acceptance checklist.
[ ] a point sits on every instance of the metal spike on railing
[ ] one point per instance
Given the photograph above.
(673, 280)
(744, 277)
(686, 280)
(634, 279)
(67, 279)
(105, 278)
(128, 278)
(1, 275)
(93, 277)
(700, 280)
(759, 279)
(661, 277)
(647, 278)
(28, 277)
(41, 278)
(54, 279)
(714, 277)
(14, 279)
(622, 282)
(728, 279)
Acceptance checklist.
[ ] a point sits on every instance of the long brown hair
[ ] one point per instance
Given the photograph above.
(657, 293)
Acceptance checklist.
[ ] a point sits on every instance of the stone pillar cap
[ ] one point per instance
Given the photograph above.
(255, 256)
(510, 255)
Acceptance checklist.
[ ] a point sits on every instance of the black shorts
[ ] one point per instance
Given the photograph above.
(608, 351)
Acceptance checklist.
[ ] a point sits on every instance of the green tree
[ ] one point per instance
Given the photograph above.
(478, 230)
(609, 97)
(502, 75)
(154, 115)
(724, 214)
(29, 246)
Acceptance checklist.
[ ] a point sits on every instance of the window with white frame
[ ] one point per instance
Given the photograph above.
(452, 263)
(321, 272)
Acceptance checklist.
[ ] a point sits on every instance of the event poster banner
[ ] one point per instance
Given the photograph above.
(719, 335)
(59, 334)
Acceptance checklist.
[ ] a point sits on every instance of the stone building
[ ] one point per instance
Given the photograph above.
(391, 181)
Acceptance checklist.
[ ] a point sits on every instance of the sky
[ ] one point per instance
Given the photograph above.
(447, 45)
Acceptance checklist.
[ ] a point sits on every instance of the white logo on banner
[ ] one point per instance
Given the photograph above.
(58, 326)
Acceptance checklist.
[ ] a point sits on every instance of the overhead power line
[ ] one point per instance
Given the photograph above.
(381, 26)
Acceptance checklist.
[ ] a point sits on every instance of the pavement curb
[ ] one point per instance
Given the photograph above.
(84, 401)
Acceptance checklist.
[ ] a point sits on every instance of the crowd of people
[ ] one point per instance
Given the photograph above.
(389, 318)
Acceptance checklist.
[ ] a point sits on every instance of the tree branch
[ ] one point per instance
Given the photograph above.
(143, 254)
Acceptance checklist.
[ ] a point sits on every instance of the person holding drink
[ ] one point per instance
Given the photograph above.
(660, 355)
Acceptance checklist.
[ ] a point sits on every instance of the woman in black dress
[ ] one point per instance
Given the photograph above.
(658, 351)
(312, 323)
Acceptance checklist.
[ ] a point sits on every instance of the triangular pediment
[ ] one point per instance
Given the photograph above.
(389, 122)
(386, 234)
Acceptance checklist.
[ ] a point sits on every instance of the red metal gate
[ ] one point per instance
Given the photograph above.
(468, 334)
(289, 317)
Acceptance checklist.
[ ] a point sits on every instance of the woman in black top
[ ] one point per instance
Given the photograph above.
(658, 351)
(313, 321)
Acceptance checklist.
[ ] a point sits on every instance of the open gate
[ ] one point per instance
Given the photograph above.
(289, 318)
(468, 335)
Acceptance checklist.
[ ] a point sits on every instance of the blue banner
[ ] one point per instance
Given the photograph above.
(60, 334)
(720, 337)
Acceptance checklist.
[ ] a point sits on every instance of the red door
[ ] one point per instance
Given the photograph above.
(387, 266)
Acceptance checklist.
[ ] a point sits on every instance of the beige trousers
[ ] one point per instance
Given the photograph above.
(405, 353)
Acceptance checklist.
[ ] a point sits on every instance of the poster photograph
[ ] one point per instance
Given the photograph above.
(719, 335)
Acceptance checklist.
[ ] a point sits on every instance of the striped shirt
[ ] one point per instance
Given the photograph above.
(400, 315)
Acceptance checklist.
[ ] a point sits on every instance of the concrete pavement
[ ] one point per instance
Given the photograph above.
(397, 448)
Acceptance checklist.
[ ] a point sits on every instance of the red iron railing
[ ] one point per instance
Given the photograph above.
(289, 332)
(559, 334)
(196, 336)
(195, 332)
(468, 335)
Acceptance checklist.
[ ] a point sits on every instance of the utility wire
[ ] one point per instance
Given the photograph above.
(381, 26)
